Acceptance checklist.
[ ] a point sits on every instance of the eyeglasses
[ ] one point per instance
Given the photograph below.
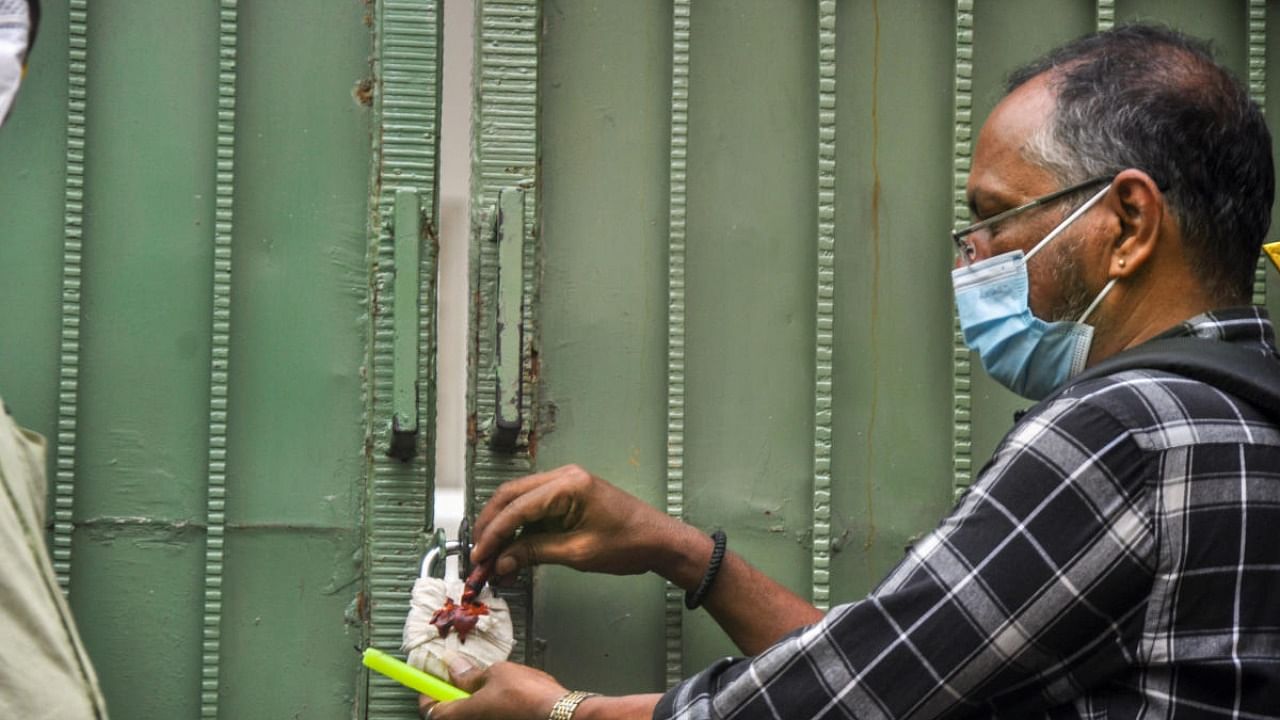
(965, 248)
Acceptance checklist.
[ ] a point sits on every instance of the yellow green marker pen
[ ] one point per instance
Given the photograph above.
(411, 677)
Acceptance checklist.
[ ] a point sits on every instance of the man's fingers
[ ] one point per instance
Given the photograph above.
(519, 554)
(431, 710)
(513, 489)
(541, 502)
(503, 496)
(541, 549)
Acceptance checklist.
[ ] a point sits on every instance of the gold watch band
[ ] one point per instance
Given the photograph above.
(565, 706)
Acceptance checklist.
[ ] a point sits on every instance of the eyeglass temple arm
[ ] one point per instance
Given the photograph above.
(958, 234)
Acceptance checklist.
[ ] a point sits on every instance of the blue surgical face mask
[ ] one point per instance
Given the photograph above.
(1028, 355)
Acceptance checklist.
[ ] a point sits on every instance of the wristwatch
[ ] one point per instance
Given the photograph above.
(565, 706)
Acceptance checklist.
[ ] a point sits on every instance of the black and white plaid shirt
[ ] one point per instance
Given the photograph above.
(1118, 557)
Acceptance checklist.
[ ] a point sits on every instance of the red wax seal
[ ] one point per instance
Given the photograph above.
(461, 617)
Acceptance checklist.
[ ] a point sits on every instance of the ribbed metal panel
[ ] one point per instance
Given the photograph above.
(220, 348)
(825, 311)
(1258, 91)
(506, 120)
(407, 103)
(1106, 14)
(72, 249)
(676, 316)
(961, 372)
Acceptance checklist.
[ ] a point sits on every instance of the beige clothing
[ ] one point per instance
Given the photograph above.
(44, 670)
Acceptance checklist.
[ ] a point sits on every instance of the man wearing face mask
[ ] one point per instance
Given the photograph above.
(1115, 557)
(44, 669)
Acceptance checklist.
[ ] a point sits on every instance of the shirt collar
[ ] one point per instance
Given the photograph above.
(1248, 325)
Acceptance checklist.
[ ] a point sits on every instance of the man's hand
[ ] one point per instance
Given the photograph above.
(570, 517)
(505, 690)
(515, 692)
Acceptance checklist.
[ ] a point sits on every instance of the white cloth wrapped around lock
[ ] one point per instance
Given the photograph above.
(489, 642)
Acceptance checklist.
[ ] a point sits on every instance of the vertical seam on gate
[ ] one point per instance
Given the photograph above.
(825, 311)
(1106, 14)
(506, 137)
(1258, 92)
(680, 11)
(220, 342)
(72, 249)
(407, 106)
(961, 365)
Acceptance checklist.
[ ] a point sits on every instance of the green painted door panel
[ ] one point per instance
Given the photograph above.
(144, 369)
(892, 384)
(750, 288)
(742, 310)
(504, 157)
(197, 282)
(397, 512)
(604, 276)
(299, 297)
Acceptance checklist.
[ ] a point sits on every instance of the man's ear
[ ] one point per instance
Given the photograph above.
(1139, 207)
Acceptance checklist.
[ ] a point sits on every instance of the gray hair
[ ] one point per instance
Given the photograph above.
(1148, 97)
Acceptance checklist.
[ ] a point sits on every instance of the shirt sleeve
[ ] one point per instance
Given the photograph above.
(1027, 594)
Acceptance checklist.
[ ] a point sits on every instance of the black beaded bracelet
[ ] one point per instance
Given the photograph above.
(693, 600)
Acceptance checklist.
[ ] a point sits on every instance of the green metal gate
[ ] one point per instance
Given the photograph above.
(733, 269)
(710, 263)
(218, 288)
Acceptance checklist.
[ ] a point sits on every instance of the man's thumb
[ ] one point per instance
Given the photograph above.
(531, 550)
(462, 672)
